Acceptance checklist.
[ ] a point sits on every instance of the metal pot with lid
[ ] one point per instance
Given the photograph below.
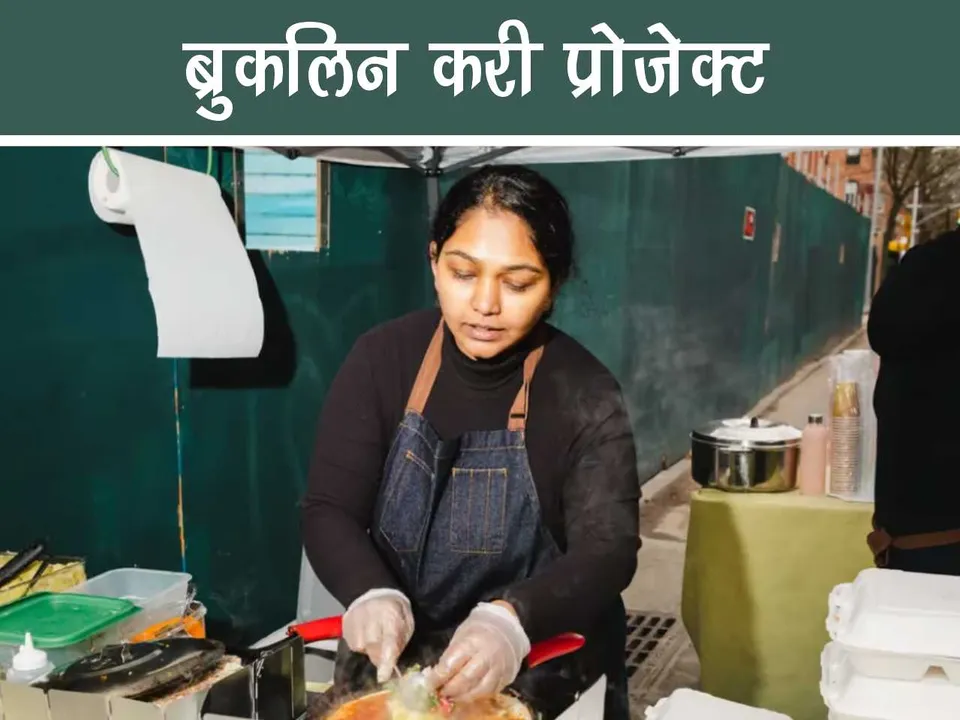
(746, 455)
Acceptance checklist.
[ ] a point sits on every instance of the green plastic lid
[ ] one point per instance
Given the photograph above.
(57, 620)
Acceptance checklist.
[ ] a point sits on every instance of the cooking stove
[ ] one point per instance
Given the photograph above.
(169, 680)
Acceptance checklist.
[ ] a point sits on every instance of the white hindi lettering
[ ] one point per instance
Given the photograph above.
(593, 82)
(717, 62)
(261, 65)
(260, 61)
(330, 65)
(660, 66)
(205, 68)
(458, 62)
(205, 76)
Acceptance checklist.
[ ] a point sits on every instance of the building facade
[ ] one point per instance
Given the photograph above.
(848, 175)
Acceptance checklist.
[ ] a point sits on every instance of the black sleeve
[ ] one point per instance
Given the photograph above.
(601, 496)
(918, 304)
(343, 480)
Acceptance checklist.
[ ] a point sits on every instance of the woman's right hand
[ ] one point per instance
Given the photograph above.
(379, 624)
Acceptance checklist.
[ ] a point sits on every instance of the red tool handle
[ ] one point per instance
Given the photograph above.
(328, 628)
(554, 647)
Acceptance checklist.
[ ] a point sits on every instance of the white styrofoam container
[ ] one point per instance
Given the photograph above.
(898, 625)
(685, 704)
(850, 695)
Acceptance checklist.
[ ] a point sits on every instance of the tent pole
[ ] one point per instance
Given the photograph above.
(874, 227)
(432, 172)
(433, 195)
(481, 159)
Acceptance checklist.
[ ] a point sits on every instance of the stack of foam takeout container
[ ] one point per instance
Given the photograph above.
(894, 650)
(687, 704)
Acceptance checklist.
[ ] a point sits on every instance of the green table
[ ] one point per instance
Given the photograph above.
(758, 572)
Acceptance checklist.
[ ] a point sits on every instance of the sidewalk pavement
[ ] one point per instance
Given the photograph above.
(665, 513)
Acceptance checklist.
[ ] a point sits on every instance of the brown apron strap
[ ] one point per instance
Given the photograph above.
(518, 412)
(427, 374)
(880, 542)
(430, 366)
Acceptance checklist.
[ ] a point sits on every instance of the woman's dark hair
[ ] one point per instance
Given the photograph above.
(523, 192)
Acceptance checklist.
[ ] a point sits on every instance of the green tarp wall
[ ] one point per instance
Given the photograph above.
(695, 321)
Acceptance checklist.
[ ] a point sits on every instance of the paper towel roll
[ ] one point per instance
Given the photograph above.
(204, 291)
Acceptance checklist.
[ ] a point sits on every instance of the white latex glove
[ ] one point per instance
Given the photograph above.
(484, 655)
(379, 624)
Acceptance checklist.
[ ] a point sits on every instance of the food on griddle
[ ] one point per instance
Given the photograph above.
(377, 706)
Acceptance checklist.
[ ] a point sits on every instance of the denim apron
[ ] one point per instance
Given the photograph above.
(458, 521)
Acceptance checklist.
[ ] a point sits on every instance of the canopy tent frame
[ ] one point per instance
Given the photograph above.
(434, 161)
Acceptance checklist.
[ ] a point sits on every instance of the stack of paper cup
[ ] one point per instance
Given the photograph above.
(845, 427)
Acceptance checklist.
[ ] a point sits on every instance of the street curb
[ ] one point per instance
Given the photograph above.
(680, 470)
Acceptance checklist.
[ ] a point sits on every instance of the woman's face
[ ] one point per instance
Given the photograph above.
(491, 282)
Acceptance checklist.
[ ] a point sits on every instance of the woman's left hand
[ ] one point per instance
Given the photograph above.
(484, 655)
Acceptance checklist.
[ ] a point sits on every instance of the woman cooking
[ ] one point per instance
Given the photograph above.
(473, 488)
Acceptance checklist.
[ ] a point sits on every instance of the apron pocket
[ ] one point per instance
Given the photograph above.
(478, 510)
(407, 506)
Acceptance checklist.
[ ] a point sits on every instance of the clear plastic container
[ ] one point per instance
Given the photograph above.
(161, 594)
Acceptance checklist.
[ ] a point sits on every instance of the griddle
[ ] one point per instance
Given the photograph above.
(139, 671)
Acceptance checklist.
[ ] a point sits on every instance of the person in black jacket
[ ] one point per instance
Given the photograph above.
(474, 488)
(914, 327)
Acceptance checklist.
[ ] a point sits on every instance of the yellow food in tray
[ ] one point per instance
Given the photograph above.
(60, 575)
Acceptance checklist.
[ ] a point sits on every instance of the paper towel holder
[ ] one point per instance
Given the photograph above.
(105, 151)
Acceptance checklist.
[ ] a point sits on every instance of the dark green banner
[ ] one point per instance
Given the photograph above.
(669, 67)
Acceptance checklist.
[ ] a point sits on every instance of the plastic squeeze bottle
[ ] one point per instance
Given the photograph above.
(812, 469)
(29, 664)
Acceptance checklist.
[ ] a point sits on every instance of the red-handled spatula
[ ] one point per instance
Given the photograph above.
(330, 628)
(557, 646)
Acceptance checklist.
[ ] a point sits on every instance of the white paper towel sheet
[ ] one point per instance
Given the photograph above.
(203, 288)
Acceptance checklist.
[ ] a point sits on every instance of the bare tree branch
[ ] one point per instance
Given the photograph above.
(935, 170)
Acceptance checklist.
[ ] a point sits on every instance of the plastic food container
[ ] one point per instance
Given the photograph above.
(66, 626)
(161, 594)
(850, 695)
(898, 625)
(685, 704)
(191, 624)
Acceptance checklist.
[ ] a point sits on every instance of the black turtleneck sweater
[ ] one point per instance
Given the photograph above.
(579, 443)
